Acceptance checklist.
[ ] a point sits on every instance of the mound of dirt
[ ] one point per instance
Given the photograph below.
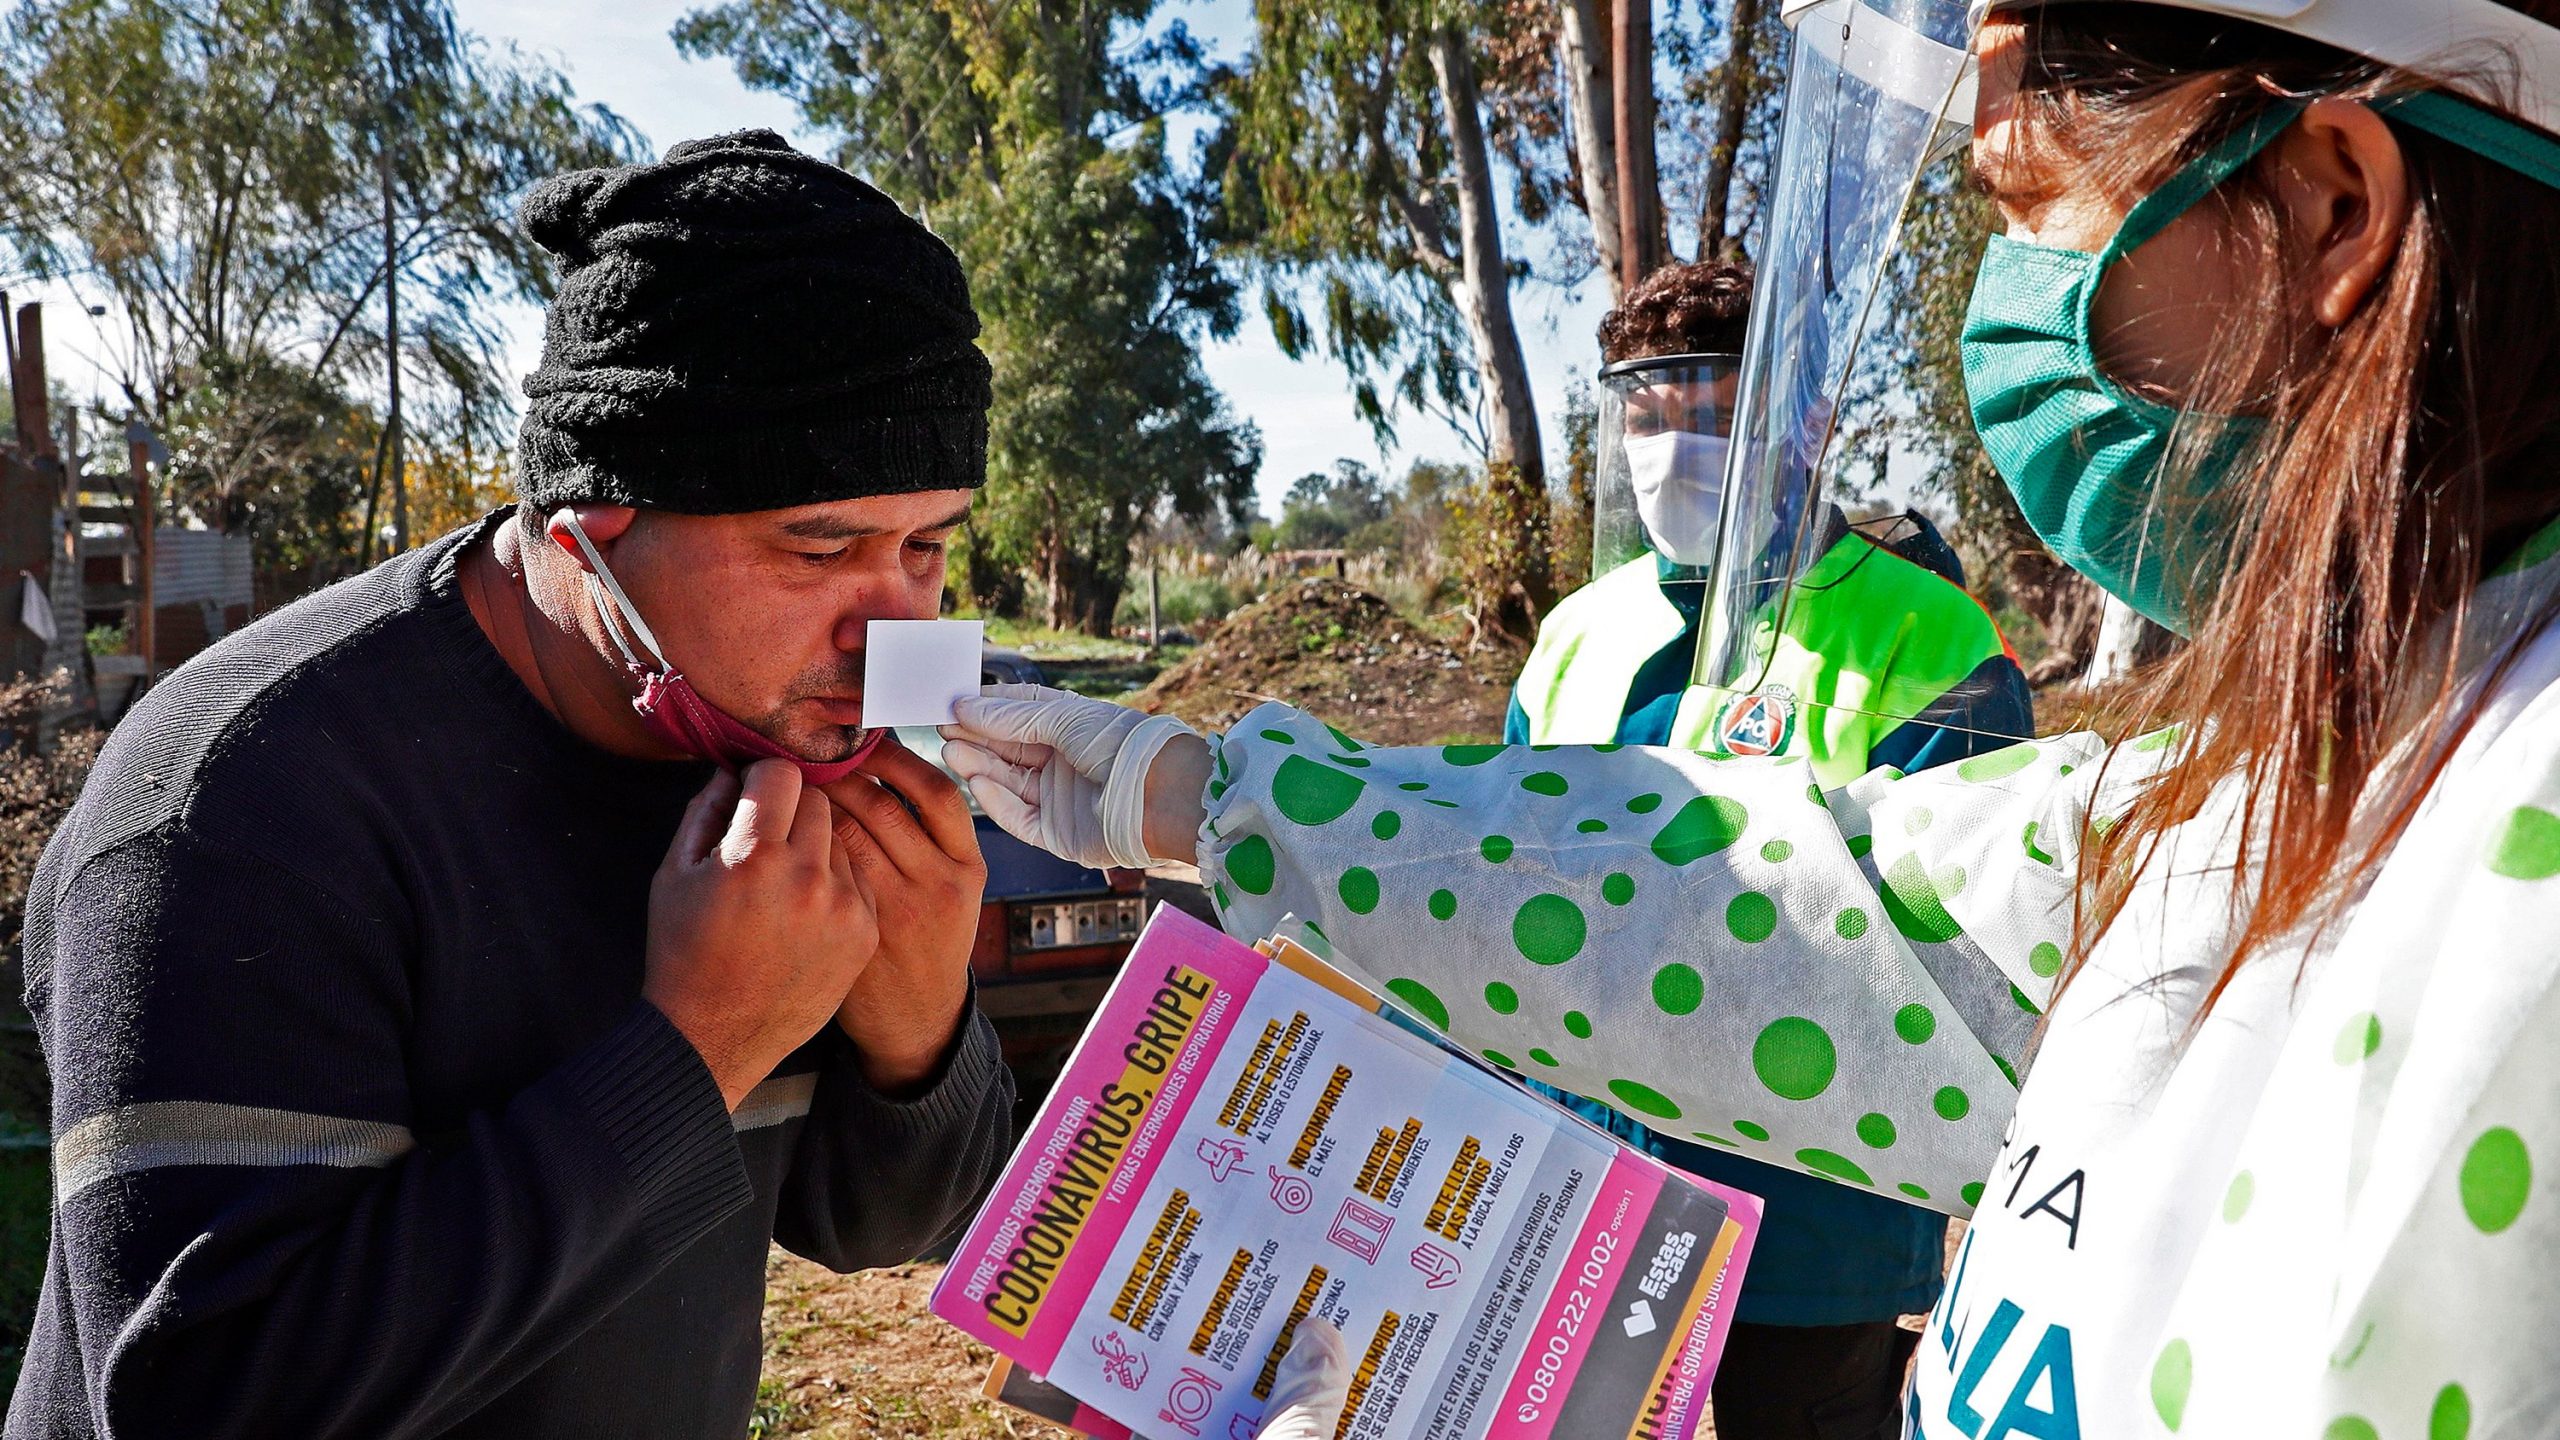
(1343, 655)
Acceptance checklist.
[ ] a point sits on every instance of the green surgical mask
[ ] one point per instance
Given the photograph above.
(2082, 454)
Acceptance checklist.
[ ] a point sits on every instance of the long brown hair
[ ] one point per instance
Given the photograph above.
(2408, 452)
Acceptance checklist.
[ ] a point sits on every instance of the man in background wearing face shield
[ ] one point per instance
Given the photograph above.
(1816, 1344)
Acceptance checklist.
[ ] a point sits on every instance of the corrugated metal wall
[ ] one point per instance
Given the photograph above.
(197, 565)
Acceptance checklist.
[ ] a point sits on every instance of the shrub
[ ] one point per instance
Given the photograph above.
(36, 790)
(1495, 551)
(1192, 589)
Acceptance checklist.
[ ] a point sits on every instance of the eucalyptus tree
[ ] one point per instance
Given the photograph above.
(1364, 187)
(246, 184)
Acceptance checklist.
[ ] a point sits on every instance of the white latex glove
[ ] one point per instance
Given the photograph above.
(1313, 1383)
(1069, 774)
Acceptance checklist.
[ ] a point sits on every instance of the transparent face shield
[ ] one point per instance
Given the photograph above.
(1879, 91)
(1665, 428)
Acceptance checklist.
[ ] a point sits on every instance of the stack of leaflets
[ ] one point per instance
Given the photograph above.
(1245, 1138)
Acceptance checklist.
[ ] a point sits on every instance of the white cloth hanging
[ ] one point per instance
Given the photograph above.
(34, 610)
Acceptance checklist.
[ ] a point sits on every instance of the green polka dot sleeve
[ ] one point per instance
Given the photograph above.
(1835, 983)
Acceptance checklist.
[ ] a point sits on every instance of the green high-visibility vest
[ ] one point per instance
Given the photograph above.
(1871, 641)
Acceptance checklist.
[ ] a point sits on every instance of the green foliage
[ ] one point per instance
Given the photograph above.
(1188, 596)
(777, 1411)
(1719, 121)
(1363, 185)
(219, 171)
(1324, 511)
(1031, 134)
(263, 448)
(1341, 187)
(1569, 532)
(1491, 526)
(1715, 124)
(1351, 509)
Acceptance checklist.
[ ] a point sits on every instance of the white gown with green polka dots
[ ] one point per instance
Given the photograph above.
(2316, 1214)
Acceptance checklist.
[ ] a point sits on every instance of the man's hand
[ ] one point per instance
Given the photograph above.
(926, 880)
(757, 924)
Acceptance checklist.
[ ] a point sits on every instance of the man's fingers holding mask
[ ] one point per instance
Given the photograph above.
(934, 802)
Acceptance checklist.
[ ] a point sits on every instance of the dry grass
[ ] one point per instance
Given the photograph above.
(858, 1355)
(35, 792)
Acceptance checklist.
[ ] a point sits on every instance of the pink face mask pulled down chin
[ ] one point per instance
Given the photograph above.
(674, 711)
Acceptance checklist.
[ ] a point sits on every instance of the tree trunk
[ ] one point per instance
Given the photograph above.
(1083, 595)
(1053, 571)
(1098, 599)
(372, 500)
(1484, 284)
(1517, 460)
(2126, 643)
(391, 347)
(1589, 97)
(995, 588)
(1738, 89)
(1640, 243)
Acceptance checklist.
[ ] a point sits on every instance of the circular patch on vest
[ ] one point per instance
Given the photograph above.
(1761, 723)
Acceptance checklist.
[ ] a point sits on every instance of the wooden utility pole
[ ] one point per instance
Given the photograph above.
(391, 345)
(1639, 201)
(29, 480)
(146, 623)
(27, 386)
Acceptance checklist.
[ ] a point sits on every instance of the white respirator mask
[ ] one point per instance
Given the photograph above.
(1678, 479)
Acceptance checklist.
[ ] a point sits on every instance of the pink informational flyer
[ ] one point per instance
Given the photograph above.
(1242, 1140)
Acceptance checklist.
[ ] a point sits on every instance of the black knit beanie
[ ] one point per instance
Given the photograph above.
(743, 327)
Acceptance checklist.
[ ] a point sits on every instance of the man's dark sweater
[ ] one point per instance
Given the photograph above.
(361, 1128)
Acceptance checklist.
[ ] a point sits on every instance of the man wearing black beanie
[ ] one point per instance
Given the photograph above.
(439, 1038)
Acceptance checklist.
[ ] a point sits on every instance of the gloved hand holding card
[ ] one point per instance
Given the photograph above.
(915, 671)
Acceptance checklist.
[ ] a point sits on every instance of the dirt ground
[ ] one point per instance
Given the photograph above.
(1342, 654)
(858, 1355)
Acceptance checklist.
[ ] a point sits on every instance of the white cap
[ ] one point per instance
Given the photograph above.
(2480, 49)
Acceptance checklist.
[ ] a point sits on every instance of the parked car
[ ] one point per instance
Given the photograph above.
(1008, 667)
(1051, 934)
